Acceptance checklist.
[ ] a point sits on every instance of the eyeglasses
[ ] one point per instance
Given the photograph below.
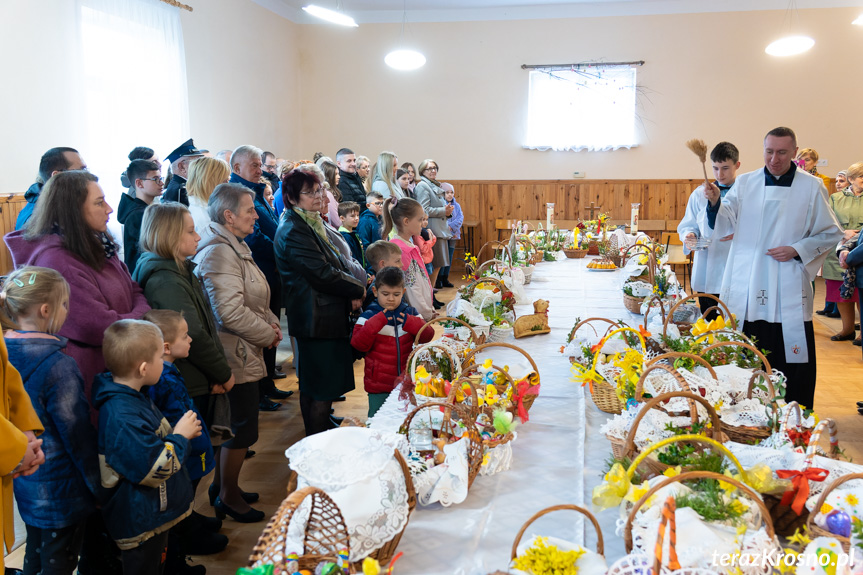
(377, 203)
(157, 179)
(314, 193)
(431, 169)
(269, 167)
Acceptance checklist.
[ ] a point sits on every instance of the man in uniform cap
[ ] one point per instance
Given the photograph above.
(179, 160)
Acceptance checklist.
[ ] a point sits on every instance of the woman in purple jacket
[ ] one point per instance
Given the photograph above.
(69, 233)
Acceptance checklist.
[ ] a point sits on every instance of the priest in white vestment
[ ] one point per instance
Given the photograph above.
(708, 264)
(783, 230)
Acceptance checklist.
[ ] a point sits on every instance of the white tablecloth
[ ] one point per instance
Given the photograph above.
(558, 457)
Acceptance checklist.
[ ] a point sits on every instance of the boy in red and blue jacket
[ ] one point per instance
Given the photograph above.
(385, 333)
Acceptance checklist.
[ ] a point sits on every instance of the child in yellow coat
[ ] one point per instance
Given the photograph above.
(20, 451)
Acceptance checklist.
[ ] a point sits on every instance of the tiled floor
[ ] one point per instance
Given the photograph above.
(840, 375)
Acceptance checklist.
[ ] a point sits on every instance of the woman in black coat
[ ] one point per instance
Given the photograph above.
(319, 294)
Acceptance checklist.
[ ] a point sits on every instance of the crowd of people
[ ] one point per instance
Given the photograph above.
(760, 238)
(135, 369)
(147, 361)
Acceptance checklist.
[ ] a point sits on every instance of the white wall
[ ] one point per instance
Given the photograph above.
(706, 76)
(255, 77)
(242, 74)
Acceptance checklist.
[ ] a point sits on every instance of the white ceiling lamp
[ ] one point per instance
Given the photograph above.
(331, 16)
(404, 59)
(790, 44)
(858, 21)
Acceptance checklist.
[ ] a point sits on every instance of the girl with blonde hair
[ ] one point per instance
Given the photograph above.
(204, 175)
(384, 178)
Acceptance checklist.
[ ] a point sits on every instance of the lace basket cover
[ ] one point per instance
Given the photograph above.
(355, 466)
(591, 563)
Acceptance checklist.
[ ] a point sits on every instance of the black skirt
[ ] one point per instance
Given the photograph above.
(325, 367)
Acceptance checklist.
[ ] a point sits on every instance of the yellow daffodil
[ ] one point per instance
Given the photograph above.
(784, 566)
(801, 539)
(672, 471)
(738, 506)
(612, 491)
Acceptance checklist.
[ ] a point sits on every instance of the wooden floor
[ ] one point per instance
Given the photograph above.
(840, 374)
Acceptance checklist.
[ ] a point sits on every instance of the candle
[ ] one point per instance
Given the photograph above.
(549, 215)
(633, 219)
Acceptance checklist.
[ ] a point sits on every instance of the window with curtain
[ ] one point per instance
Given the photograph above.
(134, 84)
(582, 108)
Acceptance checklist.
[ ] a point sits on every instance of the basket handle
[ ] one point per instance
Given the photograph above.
(600, 545)
(765, 514)
(443, 319)
(629, 446)
(668, 520)
(456, 385)
(321, 505)
(412, 359)
(505, 373)
(724, 308)
(608, 336)
(493, 344)
(811, 449)
(770, 389)
(650, 307)
(482, 267)
(639, 387)
(678, 354)
(765, 364)
(471, 287)
(587, 321)
(626, 253)
(493, 245)
(823, 497)
(446, 425)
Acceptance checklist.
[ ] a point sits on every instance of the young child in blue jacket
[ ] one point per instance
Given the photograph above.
(142, 459)
(57, 499)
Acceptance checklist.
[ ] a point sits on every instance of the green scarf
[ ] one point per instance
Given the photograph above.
(316, 222)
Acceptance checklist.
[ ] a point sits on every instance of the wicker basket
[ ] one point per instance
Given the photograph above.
(587, 322)
(431, 367)
(499, 333)
(325, 533)
(452, 332)
(603, 393)
(447, 431)
(626, 448)
(474, 379)
(753, 435)
(756, 499)
(632, 303)
(786, 520)
(815, 530)
(388, 550)
(527, 399)
(600, 545)
(494, 246)
(574, 254)
(720, 307)
(486, 409)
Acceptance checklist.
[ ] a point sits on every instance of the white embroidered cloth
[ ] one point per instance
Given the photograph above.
(355, 466)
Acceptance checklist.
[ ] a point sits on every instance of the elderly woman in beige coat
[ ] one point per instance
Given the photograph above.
(240, 296)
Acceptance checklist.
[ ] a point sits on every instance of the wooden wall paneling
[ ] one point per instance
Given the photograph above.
(10, 206)
(485, 201)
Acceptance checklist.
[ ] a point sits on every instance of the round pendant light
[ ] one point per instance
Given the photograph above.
(404, 59)
(790, 46)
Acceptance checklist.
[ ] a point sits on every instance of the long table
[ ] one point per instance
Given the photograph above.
(558, 456)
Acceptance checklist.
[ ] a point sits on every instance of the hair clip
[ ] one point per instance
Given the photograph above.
(394, 202)
(18, 282)
(32, 278)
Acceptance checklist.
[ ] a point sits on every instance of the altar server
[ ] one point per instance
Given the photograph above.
(783, 230)
(709, 264)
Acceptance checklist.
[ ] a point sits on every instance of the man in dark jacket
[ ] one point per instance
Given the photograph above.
(247, 171)
(53, 161)
(268, 165)
(180, 160)
(146, 181)
(350, 184)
